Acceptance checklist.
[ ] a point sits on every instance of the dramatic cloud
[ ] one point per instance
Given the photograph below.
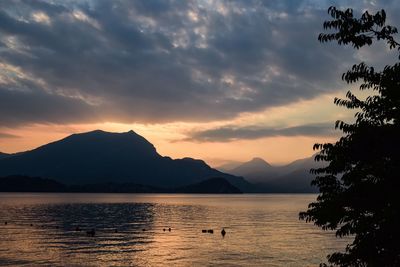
(161, 61)
(232, 133)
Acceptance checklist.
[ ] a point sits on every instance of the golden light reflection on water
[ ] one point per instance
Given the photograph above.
(262, 230)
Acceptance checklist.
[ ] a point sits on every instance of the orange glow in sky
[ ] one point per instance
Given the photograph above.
(169, 138)
(214, 80)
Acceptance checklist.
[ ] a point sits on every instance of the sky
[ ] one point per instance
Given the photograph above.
(217, 80)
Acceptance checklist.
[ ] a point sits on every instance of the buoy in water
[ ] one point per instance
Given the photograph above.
(92, 232)
(211, 231)
(223, 232)
(204, 231)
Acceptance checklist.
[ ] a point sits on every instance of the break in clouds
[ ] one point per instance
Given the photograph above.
(162, 61)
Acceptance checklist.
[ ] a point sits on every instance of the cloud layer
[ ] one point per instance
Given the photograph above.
(160, 61)
(233, 133)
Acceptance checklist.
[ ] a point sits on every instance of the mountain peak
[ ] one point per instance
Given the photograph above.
(100, 157)
(256, 165)
(98, 131)
(125, 141)
(258, 161)
(100, 136)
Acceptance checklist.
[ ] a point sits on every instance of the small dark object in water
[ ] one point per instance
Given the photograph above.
(116, 231)
(57, 226)
(163, 229)
(204, 231)
(78, 229)
(5, 223)
(91, 232)
(143, 229)
(31, 224)
(169, 229)
(223, 232)
(211, 231)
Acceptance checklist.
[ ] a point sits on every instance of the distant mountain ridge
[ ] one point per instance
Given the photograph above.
(257, 169)
(229, 165)
(294, 177)
(101, 157)
(37, 184)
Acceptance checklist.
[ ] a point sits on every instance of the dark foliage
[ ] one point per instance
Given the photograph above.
(360, 188)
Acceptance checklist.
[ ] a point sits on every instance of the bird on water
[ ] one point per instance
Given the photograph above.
(92, 232)
(223, 232)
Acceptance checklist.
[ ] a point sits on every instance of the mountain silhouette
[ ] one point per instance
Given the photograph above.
(18, 183)
(298, 181)
(3, 155)
(101, 157)
(29, 184)
(210, 186)
(256, 169)
(294, 177)
(300, 164)
(229, 165)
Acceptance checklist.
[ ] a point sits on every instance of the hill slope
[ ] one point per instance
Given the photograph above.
(37, 184)
(257, 170)
(3, 155)
(290, 178)
(210, 186)
(100, 157)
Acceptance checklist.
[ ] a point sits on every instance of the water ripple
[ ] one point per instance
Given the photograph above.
(262, 230)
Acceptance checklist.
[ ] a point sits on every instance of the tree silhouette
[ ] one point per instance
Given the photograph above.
(360, 187)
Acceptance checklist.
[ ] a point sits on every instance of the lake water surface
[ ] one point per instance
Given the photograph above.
(261, 230)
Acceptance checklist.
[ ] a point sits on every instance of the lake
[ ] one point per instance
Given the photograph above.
(132, 229)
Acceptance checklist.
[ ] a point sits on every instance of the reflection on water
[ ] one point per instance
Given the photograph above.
(262, 230)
